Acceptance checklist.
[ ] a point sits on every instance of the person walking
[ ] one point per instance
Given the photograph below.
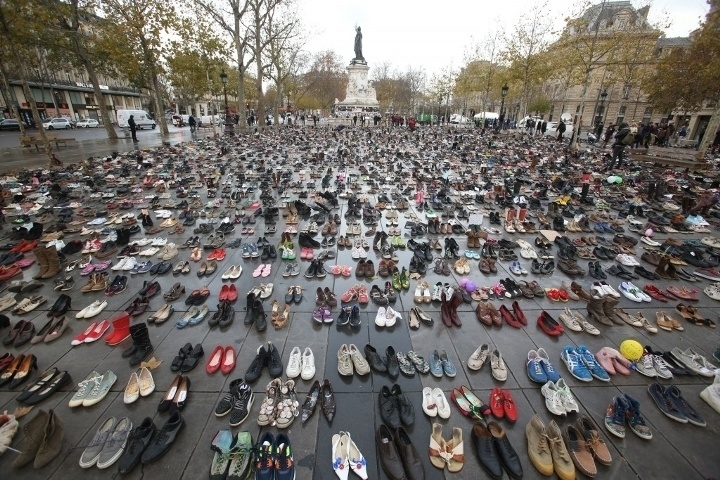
(133, 128)
(192, 123)
(623, 138)
(543, 127)
(608, 134)
(561, 131)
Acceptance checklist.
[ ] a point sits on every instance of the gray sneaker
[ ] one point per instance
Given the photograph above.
(100, 389)
(84, 389)
(115, 444)
(91, 453)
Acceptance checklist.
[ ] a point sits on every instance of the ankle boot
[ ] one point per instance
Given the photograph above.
(134, 332)
(595, 311)
(259, 316)
(609, 309)
(53, 262)
(34, 433)
(143, 346)
(121, 329)
(51, 442)
(444, 310)
(510, 214)
(41, 261)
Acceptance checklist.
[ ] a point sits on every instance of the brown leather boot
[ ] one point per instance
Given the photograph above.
(52, 441)
(596, 312)
(34, 432)
(662, 267)
(53, 262)
(41, 261)
(444, 311)
(609, 309)
(452, 308)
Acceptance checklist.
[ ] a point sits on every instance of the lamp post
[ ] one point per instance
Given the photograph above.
(503, 94)
(517, 111)
(598, 121)
(229, 124)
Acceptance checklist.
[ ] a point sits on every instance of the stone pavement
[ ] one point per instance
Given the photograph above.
(676, 451)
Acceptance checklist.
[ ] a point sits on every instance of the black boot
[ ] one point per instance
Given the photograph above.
(143, 347)
(258, 313)
(134, 332)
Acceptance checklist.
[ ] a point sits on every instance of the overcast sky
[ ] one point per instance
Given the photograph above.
(435, 35)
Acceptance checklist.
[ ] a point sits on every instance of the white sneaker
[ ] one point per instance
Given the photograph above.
(308, 365)
(566, 396)
(130, 264)
(569, 320)
(607, 289)
(645, 366)
(553, 399)
(293, 366)
(120, 265)
(437, 292)
(441, 404)
(381, 318)
(391, 317)
(661, 367)
(630, 292)
(649, 241)
(345, 365)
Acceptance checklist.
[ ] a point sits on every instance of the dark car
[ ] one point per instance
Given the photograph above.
(10, 124)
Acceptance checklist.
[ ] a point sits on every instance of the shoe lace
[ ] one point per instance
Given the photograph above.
(559, 446)
(647, 361)
(91, 384)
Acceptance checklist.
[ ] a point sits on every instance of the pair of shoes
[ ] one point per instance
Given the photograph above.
(581, 364)
(147, 444)
(233, 455)
(670, 401)
(349, 361)
(140, 384)
(539, 368)
(237, 402)
(547, 450)
(558, 398)
(322, 394)
(625, 409)
(398, 456)
(93, 389)
(440, 363)
(347, 457)
(495, 452)
(446, 453)
(222, 358)
(108, 444)
(44, 386)
(466, 401)
(435, 404)
(270, 358)
(388, 364)
(502, 404)
(586, 446)
(274, 457)
(280, 406)
(395, 407)
(42, 441)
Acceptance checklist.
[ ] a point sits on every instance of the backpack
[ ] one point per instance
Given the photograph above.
(628, 139)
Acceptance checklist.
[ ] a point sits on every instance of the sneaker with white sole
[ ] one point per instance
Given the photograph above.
(575, 365)
(84, 389)
(553, 399)
(100, 389)
(566, 396)
(293, 366)
(307, 372)
(645, 366)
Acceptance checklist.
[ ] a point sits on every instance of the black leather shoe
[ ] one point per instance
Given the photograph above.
(409, 455)
(254, 371)
(487, 454)
(136, 444)
(391, 362)
(389, 408)
(376, 362)
(274, 363)
(164, 439)
(508, 457)
(389, 457)
(407, 411)
(311, 401)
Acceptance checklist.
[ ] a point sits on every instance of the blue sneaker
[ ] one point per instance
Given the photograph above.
(635, 420)
(550, 371)
(575, 364)
(436, 368)
(685, 408)
(665, 404)
(535, 369)
(596, 370)
(447, 365)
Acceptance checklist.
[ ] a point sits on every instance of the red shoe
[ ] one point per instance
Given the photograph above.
(549, 325)
(509, 407)
(655, 293)
(232, 294)
(7, 273)
(97, 332)
(215, 360)
(220, 254)
(224, 293)
(18, 248)
(28, 247)
(228, 360)
(496, 403)
(519, 313)
(509, 317)
(80, 337)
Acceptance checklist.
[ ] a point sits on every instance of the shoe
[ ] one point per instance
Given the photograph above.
(596, 370)
(436, 368)
(589, 430)
(138, 441)
(635, 420)
(91, 453)
(537, 446)
(666, 404)
(243, 399)
(389, 408)
(447, 365)
(115, 444)
(307, 370)
(575, 365)
(164, 439)
(409, 456)
(615, 416)
(498, 367)
(509, 458)
(562, 462)
(340, 452)
(407, 411)
(100, 389)
(553, 399)
(388, 453)
(254, 371)
(535, 369)
(327, 399)
(478, 358)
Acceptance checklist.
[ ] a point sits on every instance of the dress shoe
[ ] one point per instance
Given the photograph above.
(389, 456)
(409, 455)
(486, 451)
(389, 408)
(407, 411)
(311, 401)
(508, 457)
(374, 359)
(328, 400)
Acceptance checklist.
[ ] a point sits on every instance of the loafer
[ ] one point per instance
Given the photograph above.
(388, 453)
(376, 362)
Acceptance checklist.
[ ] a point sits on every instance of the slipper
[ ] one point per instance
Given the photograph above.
(266, 270)
(258, 271)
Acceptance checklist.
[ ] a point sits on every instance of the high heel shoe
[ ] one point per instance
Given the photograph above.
(181, 397)
(23, 372)
(11, 370)
(61, 306)
(169, 396)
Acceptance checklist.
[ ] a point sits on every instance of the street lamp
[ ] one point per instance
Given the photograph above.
(503, 94)
(598, 121)
(229, 124)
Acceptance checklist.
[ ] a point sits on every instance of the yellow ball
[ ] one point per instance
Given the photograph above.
(631, 349)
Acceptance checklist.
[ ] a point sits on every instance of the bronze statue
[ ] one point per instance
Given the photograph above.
(358, 46)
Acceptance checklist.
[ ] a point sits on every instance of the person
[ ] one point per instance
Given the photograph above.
(608, 134)
(619, 146)
(538, 127)
(543, 127)
(561, 130)
(315, 120)
(133, 128)
(192, 123)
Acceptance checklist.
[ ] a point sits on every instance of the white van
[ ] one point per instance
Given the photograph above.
(141, 117)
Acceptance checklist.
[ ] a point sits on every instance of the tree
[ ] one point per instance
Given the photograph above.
(324, 82)
(480, 80)
(401, 90)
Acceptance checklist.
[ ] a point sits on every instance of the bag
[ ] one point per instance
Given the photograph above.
(628, 139)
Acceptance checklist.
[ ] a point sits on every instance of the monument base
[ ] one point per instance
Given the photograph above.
(360, 94)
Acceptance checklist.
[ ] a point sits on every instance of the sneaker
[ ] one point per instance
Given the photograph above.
(550, 371)
(100, 389)
(115, 444)
(293, 367)
(566, 396)
(646, 366)
(596, 370)
(242, 404)
(692, 415)
(575, 364)
(226, 402)
(553, 400)
(436, 368)
(661, 367)
(665, 404)
(91, 453)
(635, 420)
(447, 365)
(478, 358)
(615, 416)
(84, 389)
(307, 370)
(535, 369)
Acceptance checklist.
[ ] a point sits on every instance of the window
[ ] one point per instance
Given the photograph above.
(76, 98)
(621, 115)
(626, 92)
(647, 116)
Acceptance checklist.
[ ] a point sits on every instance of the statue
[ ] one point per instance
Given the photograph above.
(358, 47)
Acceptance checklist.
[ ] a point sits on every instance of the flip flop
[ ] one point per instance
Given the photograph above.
(258, 271)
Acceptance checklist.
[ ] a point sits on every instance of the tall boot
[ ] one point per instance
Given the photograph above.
(444, 310)
(453, 305)
(609, 309)
(143, 346)
(53, 262)
(510, 214)
(52, 441)
(34, 433)
(121, 329)
(259, 316)
(595, 310)
(522, 214)
(662, 267)
(134, 333)
(41, 261)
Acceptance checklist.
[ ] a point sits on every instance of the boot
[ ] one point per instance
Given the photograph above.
(41, 261)
(34, 433)
(510, 214)
(259, 316)
(444, 310)
(609, 309)
(662, 267)
(121, 329)
(53, 262)
(522, 214)
(52, 441)
(143, 347)
(455, 302)
(595, 310)
(712, 394)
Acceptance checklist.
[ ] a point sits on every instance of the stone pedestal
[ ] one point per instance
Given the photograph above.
(360, 94)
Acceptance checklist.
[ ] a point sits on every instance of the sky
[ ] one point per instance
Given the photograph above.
(437, 35)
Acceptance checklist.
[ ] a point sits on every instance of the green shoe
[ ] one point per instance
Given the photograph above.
(241, 457)
(404, 280)
(396, 282)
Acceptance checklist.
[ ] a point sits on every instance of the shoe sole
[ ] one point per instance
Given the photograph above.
(249, 408)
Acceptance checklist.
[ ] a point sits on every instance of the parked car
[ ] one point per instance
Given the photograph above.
(11, 124)
(57, 124)
(88, 123)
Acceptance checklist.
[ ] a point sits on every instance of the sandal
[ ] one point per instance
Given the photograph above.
(267, 409)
